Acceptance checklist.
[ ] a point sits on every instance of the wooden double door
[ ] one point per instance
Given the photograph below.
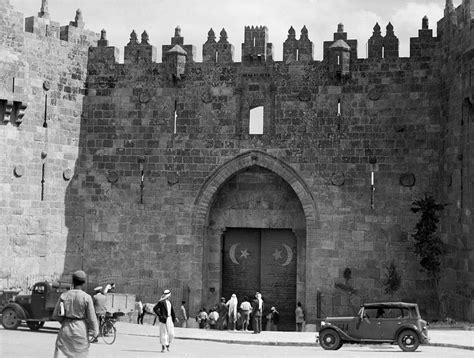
(262, 260)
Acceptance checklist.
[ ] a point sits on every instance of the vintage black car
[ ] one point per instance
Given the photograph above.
(34, 309)
(386, 322)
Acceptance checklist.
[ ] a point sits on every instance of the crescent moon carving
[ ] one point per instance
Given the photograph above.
(289, 255)
(232, 254)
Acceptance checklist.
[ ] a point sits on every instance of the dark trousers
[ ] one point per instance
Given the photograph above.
(257, 323)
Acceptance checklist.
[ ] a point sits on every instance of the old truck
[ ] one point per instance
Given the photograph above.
(34, 309)
(37, 308)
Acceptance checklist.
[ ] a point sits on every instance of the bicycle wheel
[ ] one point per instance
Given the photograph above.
(108, 332)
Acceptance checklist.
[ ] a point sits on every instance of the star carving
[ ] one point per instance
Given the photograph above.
(277, 254)
(244, 253)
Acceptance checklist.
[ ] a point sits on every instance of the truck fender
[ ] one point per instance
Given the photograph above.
(20, 311)
(344, 336)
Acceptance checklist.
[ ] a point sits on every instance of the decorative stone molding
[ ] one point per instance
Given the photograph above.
(13, 109)
(112, 177)
(338, 179)
(19, 170)
(376, 93)
(67, 174)
(21, 112)
(144, 96)
(407, 179)
(172, 178)
(8, 111)
(207, 96)
(304, 96)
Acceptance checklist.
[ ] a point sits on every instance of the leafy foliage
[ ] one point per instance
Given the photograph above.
(346, 287)
(393, 280)
(428, 246)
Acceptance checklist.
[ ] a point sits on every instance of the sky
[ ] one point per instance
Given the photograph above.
(195, 17)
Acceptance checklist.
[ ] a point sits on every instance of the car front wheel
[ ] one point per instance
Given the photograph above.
(10, 319)
(330, 340)
(408, 341)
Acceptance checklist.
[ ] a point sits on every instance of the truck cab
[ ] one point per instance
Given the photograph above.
(36, 308)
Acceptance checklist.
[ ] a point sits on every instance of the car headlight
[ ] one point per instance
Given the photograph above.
(323, 323)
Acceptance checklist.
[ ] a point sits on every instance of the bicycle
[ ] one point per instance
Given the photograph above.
(107, 329)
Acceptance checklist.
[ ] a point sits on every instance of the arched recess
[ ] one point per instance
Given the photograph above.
(210, 188)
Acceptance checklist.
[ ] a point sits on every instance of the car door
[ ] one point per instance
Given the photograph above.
(391, 322)
(368, 327)
(38, 301)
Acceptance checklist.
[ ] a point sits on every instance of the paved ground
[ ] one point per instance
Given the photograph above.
(457, 338)
(142, 342)
(444, 338)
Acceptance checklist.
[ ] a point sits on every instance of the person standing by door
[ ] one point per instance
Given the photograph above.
(75, 311)
(222, 310)
(257, 309)
(299, 317)
(245, 309)
(165, 312)
(274, 318)
(232, 306)
(183, 317)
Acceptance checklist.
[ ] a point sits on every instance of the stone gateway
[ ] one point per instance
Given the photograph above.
(290, 177)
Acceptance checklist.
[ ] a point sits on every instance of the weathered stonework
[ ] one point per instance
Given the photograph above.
(148, 164)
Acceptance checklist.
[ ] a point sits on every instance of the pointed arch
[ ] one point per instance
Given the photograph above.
(211, 186)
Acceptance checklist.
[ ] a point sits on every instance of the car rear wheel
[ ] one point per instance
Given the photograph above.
(330, 340)
(35, 325)
(408, 340)
(10, 319)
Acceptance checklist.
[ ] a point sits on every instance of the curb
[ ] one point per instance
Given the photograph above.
(284, 344)
(449, 345)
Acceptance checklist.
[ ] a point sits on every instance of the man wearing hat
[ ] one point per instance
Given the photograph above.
(100, 305)
(274, 318)
(75, 311)
(165, 312)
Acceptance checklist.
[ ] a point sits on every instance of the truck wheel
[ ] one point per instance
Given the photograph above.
(330, 340)
(408, 340)
(35, 325)
(10, 319)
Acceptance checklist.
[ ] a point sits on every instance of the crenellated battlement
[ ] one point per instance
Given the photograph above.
(42, 26)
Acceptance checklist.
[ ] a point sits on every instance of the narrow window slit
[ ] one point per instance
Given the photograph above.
(45, 124)
(175, 117)
(339, 107)
(43, 169)
(142, 185)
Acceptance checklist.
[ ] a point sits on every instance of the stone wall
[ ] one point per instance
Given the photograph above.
(455, 31)
(41, 96)
(154, 149)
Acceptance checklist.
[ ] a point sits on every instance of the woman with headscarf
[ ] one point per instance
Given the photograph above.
(232, 311)
(165, 312)
(75, 311)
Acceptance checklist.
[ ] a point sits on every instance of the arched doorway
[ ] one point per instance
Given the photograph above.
(258, 201)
